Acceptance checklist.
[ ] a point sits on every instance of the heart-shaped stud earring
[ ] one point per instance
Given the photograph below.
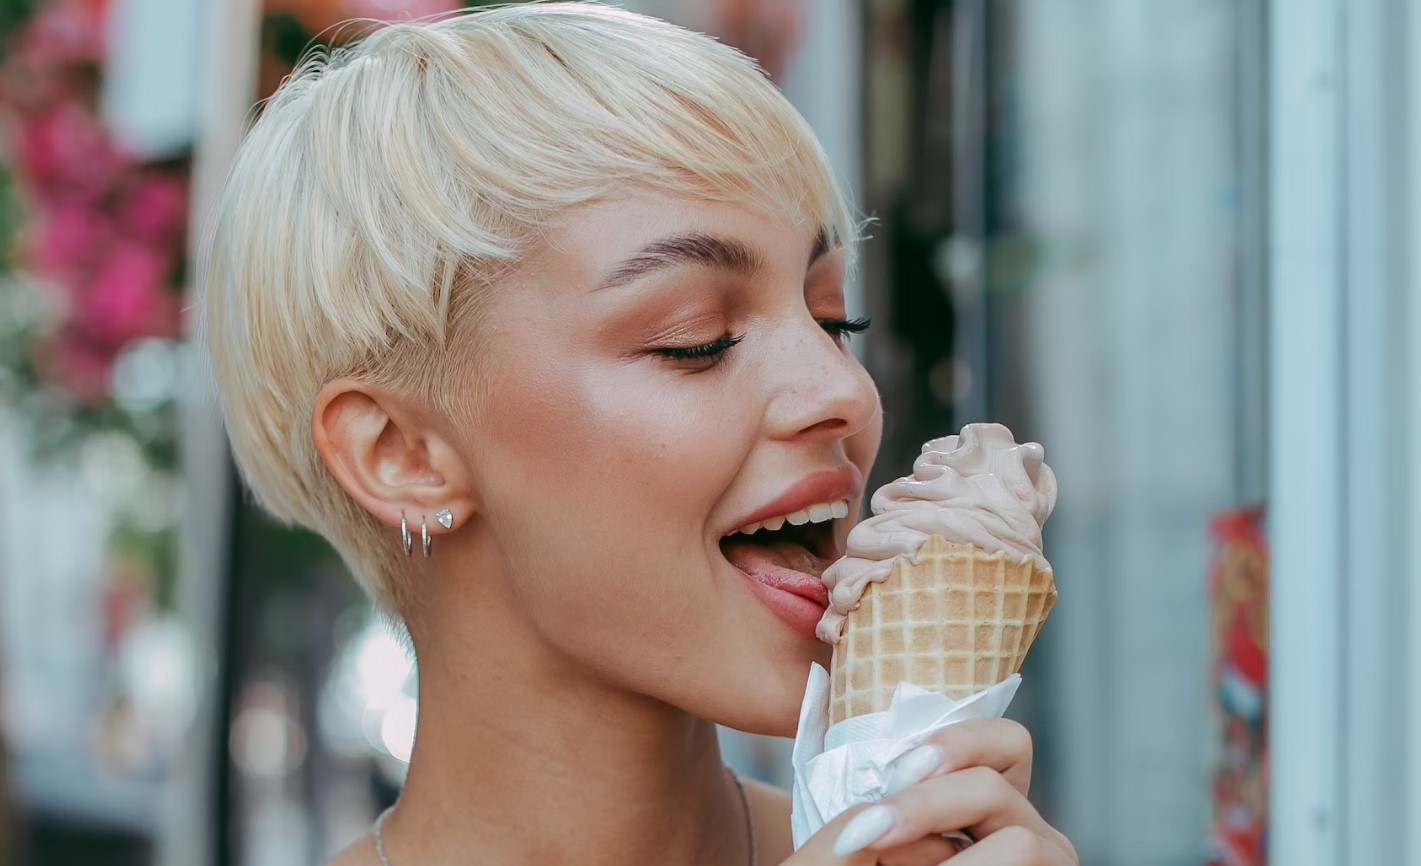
(445, 518)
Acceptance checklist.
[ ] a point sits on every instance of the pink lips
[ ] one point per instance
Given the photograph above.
(800, 613)
(798, 598)
(828, 485)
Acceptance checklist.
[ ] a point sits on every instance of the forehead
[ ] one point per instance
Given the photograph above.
(588, 243)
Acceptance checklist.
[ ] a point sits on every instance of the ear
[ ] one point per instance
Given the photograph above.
(390, 455)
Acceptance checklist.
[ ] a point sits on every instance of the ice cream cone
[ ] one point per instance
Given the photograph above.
(958, 621)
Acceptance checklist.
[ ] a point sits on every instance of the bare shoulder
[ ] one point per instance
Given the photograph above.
(361, 852)
(770, 807)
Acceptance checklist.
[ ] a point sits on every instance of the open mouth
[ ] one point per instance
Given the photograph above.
(789, 553)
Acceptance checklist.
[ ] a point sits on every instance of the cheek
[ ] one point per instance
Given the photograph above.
(620, 436)
(598, 480)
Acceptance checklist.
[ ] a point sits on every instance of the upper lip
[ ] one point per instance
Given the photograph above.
(827, 485)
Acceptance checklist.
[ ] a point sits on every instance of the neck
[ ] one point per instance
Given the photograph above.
(524, 759)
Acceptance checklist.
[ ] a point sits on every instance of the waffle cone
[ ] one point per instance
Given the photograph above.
(959, 621)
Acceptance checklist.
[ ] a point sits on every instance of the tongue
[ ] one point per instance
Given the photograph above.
(777, 564)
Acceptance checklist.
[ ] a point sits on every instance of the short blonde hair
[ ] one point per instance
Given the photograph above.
(387, 186)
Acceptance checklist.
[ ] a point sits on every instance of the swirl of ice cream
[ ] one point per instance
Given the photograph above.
(979, 487)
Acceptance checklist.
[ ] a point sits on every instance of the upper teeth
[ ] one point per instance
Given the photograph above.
(813, 514)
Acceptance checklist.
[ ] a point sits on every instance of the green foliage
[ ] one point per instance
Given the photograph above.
(9, 219)
(13, 13)
(155, 552)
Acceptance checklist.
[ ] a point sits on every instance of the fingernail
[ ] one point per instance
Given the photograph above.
(867, 827)
(912, 768)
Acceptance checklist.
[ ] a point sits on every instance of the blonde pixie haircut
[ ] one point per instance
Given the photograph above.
(386, 188)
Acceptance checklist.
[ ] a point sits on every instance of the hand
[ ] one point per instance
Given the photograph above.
(971, 777)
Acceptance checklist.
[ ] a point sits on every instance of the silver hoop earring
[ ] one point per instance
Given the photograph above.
(424, 535)
(405, 534)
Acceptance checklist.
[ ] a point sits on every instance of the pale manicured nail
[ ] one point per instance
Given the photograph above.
(866, 828)
(912, 768)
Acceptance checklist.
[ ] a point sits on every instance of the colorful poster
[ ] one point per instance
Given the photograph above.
(1238, 595)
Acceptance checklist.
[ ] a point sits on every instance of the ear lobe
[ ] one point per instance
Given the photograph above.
(388, 456)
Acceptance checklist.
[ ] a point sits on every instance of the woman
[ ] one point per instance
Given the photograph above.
(528, 311)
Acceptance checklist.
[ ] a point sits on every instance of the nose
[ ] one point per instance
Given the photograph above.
(822, 391)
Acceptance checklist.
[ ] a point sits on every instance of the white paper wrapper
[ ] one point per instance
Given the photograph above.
(848, 764)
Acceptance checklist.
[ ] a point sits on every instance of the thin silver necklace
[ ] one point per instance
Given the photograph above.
(739, 786)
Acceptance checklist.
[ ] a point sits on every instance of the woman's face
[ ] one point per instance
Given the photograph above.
(663, 373)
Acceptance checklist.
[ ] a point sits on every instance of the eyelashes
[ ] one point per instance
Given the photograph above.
(710, 353)
(698, 353)
(842, 329)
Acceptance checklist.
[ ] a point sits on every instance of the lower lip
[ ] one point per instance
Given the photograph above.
(796, 611)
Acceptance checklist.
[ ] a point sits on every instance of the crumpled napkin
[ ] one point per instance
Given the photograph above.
(838, 767)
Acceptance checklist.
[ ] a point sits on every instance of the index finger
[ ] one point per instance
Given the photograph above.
(998, 744)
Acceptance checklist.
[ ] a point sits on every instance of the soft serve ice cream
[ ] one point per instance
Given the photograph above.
(931, 614)
(979, 487)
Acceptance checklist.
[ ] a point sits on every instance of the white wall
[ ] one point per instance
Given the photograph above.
(151, 86)
(1344, 448)
(1410, 663)
(227, 32)
(1130, 189)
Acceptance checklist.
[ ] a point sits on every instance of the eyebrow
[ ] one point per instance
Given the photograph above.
(698, 248)
(694, 248)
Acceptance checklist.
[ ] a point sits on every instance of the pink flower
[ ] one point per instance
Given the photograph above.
(156, 208)
(54, 57)
(767, 30)
(66, 148)
(319, 15)
(70, 234)
(64, 32)
(128, 297)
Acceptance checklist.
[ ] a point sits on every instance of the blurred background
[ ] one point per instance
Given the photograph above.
(1172, 240)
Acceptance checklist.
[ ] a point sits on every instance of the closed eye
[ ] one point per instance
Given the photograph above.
(842, 329)
(705, 352)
